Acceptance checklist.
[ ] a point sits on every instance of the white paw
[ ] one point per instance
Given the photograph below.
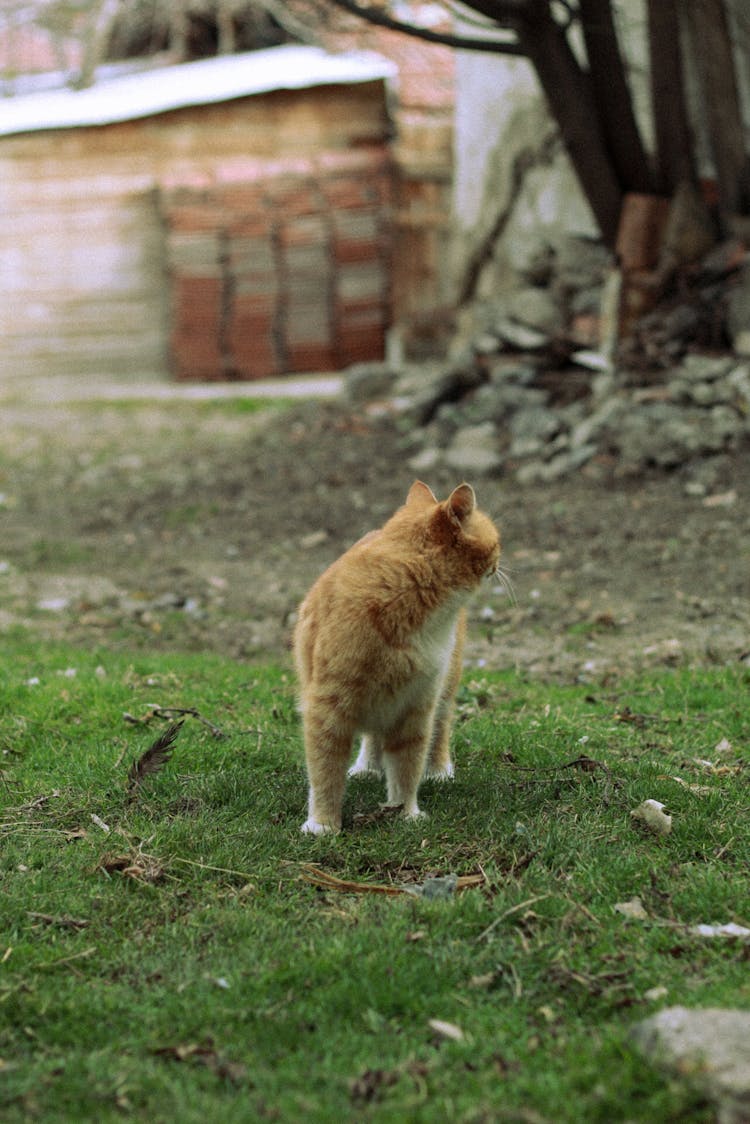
(415, 814)
(359, 769)
(446, 773)
(312, 827)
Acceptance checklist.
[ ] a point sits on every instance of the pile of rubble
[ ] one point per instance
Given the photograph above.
(530, 392)
(500, 416)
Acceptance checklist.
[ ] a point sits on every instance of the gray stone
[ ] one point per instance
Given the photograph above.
(738, 311)
(739, 381)
(523, 447)
(544, 472)
(704, 368)
(667, 435)
(365, 381)
(535, 308)
(450, 385)
(533, 472)
(486, 344)
(591, 427)
(520, 336)
(712, 393)
(587, 301)
(535, 421)
(711, 1046)
(531, 428)
(581, 263)
(425, 461)
(496, 402)
(512, 397)
(506, 369)
(726, 426)
(415, 378)
(540, 266)
(475, 449)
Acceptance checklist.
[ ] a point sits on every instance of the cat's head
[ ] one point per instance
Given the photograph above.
(468, 540)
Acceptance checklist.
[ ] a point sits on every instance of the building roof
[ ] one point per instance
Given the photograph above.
(207, 82)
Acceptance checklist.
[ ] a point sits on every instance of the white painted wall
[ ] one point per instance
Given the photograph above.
(502, 122)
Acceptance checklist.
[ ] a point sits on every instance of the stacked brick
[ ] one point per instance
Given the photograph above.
(282, 268)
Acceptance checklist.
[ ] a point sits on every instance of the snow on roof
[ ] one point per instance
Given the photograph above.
(189, 84)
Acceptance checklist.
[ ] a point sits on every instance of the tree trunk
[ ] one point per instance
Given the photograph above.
(674, 143)
(570, 98)
(711, 48)
(612, 97)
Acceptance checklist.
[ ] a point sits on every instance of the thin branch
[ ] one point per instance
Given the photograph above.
(288, 21)
(459, 42)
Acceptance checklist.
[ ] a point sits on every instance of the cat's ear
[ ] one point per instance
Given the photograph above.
(461, 503)
(420, 495)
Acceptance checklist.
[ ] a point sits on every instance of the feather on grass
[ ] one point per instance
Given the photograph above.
(153, 760)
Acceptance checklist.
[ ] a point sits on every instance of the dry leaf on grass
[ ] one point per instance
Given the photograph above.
(368, 1086)
(446, 1030)
(653, 816)
(383, 812)
(696, 789)
(204, 1055)
(730, 930)
(654, 994)
(634, 909)
(142, 868)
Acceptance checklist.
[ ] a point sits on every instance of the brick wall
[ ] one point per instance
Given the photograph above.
(283, 268)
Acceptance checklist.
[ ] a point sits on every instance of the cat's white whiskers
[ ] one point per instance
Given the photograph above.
(503, 579)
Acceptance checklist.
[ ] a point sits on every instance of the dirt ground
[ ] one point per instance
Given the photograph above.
(200, 525)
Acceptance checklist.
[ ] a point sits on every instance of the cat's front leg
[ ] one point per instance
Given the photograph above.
(439, 765)
(369, 759)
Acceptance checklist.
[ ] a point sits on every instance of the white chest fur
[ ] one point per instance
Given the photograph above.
(429, 653)
(434, 643)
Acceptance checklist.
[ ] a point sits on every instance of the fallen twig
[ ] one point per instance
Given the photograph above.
(327, 881)
(509, 913)
(67, 959)
(63, 922)
(217, 869)
(167, 712)
(584, 763)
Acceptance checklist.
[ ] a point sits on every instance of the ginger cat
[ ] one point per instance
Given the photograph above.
(378, 646)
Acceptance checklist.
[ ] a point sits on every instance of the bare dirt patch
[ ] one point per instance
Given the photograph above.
(200, 525)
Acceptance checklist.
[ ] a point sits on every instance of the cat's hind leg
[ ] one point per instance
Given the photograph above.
(438, 765)
(404, 756)
(328, 744)
(369, 759)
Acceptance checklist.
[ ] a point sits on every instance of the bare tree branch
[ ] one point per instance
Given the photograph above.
(459, 42)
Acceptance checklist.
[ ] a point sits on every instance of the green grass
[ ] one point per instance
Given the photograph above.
(201, 407)
(177, 967)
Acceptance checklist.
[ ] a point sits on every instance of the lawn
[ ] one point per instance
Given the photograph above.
(165, 953)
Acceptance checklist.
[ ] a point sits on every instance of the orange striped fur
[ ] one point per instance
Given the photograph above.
(378, 647)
